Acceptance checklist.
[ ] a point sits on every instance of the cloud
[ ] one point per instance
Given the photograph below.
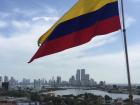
(18, 49)
(20, 24)
(130, 20)
(45, 18)
(107, 66)
(36, 12)
(51, 10)
(3, 14)
(3, 24)
(24, 12)
(105, 39)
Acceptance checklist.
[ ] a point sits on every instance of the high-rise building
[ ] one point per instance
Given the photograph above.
(6, 79)
(92, 82)
(82, 77)
(86, 76)
(86, 80)
(58, 80)
(25, 83)
(82, 74)
(42, 81)
(0, 81)
(78, 78)
(0, 78)
(37, 85)
(5, 86)
(72, 81)
(78, 75)
(12, 83)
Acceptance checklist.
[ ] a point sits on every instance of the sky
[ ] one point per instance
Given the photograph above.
(22, 22)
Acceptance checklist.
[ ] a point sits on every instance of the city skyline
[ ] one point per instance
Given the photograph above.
(6, 78)
(59, 79)
(79, 79)
(23, 22)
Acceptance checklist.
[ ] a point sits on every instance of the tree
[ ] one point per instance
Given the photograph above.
(107, 97)
(35, 97)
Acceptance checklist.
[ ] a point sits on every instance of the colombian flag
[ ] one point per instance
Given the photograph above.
(85, 20)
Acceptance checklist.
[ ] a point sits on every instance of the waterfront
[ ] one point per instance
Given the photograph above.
(95, 92)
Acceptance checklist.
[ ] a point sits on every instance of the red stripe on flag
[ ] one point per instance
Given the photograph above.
(77, 38)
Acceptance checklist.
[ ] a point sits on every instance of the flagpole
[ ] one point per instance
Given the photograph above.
(126, 55)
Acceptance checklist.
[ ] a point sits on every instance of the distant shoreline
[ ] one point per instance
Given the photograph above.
(96, 92)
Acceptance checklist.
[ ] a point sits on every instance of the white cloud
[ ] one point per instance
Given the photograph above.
(20, 24)
(106, 39)
(51, 10)
(3, 24)
(45, 18)
(48, 10)
(24, 12)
